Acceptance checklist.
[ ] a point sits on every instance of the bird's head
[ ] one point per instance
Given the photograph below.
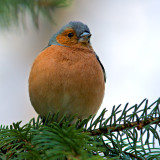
(72, 34)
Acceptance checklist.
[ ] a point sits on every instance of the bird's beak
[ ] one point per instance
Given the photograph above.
(84, 37)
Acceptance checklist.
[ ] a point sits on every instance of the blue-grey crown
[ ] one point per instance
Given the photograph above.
(79, 27)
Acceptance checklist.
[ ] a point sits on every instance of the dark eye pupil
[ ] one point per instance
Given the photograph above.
(70, 35)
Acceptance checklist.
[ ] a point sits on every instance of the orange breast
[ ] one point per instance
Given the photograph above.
(66, 79)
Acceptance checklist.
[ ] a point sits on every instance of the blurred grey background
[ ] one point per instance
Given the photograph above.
(125, 35)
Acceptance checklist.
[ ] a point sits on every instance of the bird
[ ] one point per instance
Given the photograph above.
(67, 76)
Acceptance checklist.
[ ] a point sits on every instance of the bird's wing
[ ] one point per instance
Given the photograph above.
(104, 73)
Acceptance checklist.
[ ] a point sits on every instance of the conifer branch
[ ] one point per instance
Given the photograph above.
(13, 12)
(133, 156)
(121, 127)
(120, 136)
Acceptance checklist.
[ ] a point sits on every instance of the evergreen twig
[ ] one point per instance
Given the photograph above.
(120, 136)
(121, 127)
(12, 12)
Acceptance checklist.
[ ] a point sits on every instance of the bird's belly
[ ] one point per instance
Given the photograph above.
(67, 88)
(74, 96)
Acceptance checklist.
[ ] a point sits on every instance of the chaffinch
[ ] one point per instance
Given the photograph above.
(67, 76)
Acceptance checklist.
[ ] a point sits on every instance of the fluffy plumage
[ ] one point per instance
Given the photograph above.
(67, 76)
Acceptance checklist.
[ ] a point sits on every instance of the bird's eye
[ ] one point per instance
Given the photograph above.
(70, 35)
